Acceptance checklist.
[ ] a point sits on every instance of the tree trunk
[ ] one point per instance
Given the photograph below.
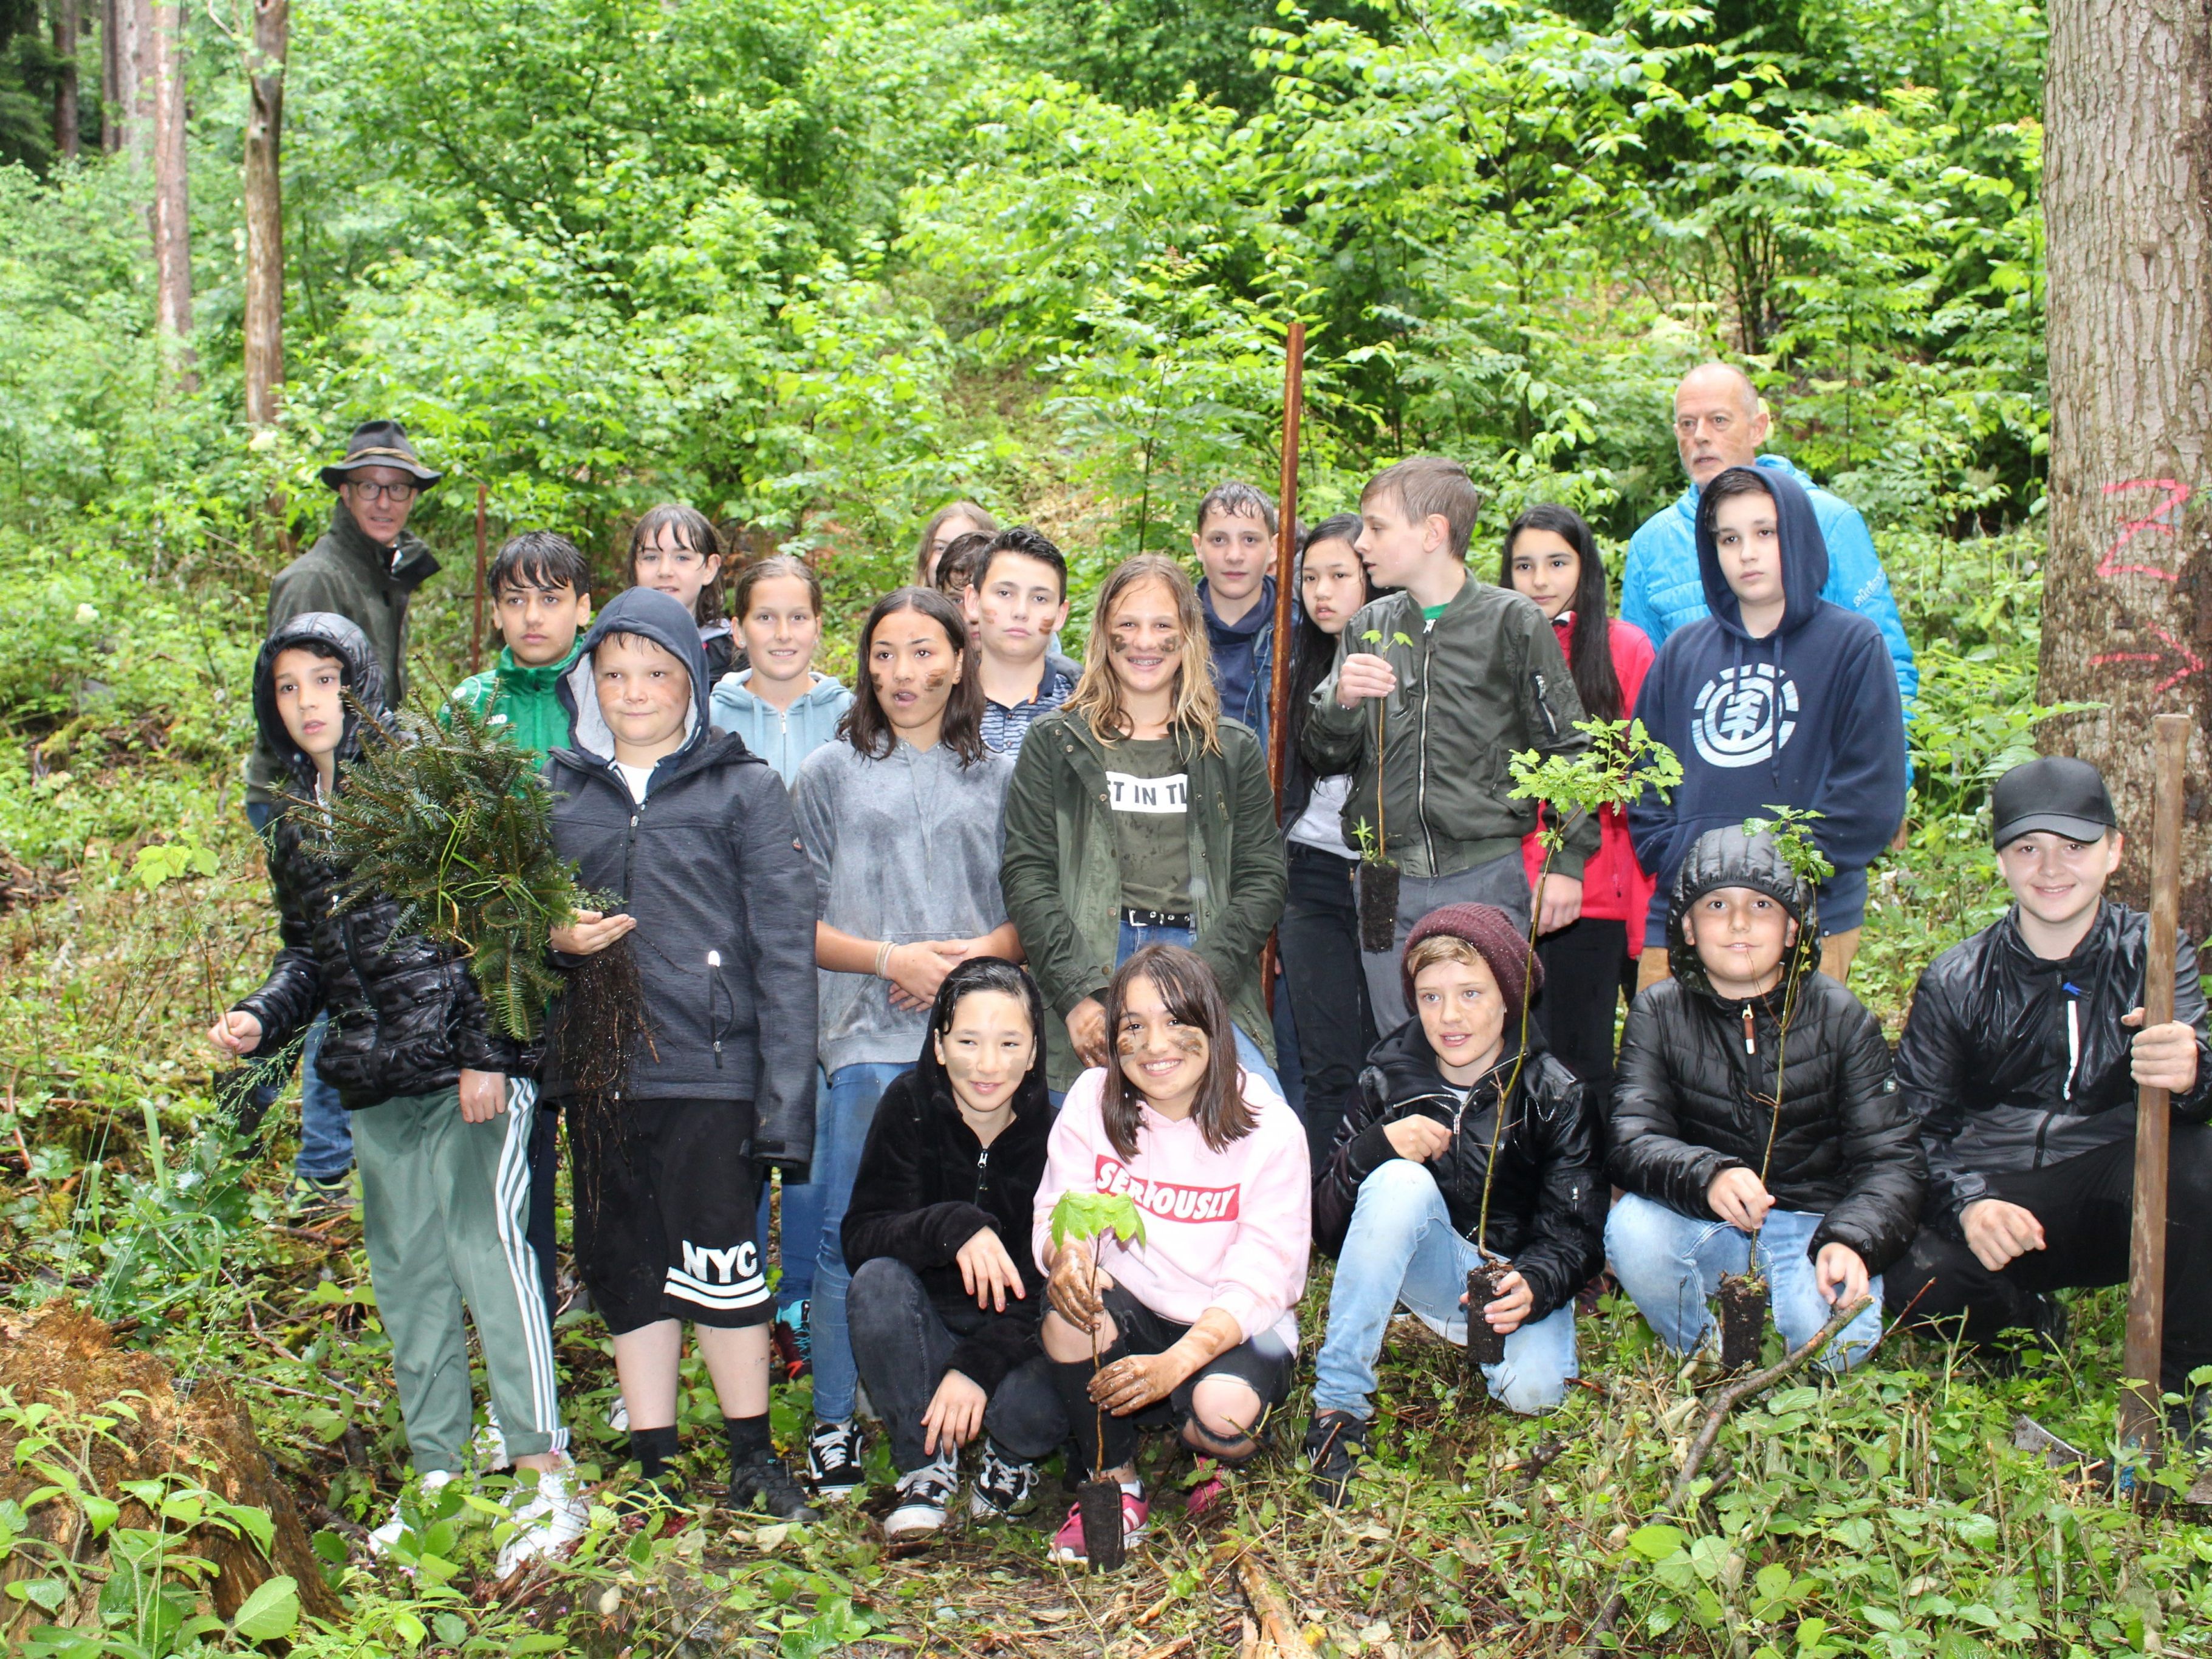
(111, 102)
(172, 244)
(2127, 602)
(265, 209)
(131, 23)
(65, 111)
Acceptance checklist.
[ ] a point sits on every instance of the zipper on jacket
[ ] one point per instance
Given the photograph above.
(1750, 1039)
(2072, 1038)
(361, 979)
(1421, 769)
(983, 1173)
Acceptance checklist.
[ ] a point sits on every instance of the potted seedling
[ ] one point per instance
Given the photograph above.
(1744, 1298)
(1621, 761)
(1096, 1216)
(1378, 873)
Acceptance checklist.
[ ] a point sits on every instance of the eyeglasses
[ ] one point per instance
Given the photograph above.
(381, 492)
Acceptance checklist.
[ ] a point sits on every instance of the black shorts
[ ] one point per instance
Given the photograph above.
(666, 1193)
(1263, 1362)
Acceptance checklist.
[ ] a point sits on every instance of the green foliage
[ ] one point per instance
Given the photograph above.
(1094, 1216)
(1791, 830)
(1620, 763)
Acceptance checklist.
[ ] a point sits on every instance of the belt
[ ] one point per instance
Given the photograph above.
(1183, 919)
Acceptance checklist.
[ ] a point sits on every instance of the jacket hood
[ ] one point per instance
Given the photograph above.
(650, 614)
(736, 690)
(1804, 553)
(361, 675)
(1031, 1096)
(1727, 857)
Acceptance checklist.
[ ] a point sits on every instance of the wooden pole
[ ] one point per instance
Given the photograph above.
(477, 633)
(2139, 1405)
(1287, 547)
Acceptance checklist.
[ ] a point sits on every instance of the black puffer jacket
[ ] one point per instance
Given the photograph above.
(1548, 1201)
(406, 1017)
(926, 1186)
(2011, 1062)
(1691, 1101)
(711, 866)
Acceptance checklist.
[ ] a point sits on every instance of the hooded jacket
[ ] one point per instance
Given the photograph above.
(523, 704)
(2011, 1062)
(781, 736)
(926, 1186)
(1244, 656)
(710, 864)
(368, 584)
(1807, 717)
(1547, 1200)
(1660, 590)
(1698, 1075)
(406, 1017)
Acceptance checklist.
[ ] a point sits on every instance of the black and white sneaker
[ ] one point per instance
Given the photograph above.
(1336, 1442)
(1002, 1486)
(760, 1481)
(833, 1459)
(924, 1495)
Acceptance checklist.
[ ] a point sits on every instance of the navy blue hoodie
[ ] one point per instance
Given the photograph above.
(1807, 717)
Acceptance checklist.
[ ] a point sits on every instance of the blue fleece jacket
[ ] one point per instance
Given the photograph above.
(1807, 717)
(1660, 590)
(781, 736)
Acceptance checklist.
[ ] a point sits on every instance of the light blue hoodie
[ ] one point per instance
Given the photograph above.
(782, 738)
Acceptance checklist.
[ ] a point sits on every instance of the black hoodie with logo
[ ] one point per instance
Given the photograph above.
(710, 864)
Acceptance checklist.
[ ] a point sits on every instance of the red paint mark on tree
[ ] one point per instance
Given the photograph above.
(2190, 665)
(2166, 517)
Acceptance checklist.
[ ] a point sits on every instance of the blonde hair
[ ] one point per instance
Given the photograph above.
(1437, 949)
(1097, 696)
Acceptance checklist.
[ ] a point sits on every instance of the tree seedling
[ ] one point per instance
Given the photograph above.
(1095, 1217)
(1378, 873)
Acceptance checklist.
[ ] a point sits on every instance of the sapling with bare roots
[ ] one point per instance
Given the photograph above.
(1094, 1217)
(1378, 871)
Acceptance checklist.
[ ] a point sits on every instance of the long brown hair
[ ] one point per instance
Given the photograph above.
(968, 510)
(1194, 997)
(695, 531)
(868, 728)
(1097, 696)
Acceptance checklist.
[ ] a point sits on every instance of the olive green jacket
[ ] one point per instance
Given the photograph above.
(1063, 876)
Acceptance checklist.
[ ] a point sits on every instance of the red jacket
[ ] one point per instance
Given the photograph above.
(1614, 886)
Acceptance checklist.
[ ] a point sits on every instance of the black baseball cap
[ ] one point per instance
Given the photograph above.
(2058, 793)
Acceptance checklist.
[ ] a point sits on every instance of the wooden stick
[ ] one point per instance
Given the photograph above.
(477, 633)
(2139, 1405)
(1267, 1601)
(1287, 547)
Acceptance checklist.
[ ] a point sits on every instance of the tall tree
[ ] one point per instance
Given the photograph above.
(173, 241)
(2127, 195)
(65, 108)
(264, 208)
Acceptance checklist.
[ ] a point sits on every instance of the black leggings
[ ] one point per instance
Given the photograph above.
(2086, 1205)
(1320, 938)
(1587, 971)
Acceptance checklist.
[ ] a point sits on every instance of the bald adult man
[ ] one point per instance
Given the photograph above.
(1719, 423)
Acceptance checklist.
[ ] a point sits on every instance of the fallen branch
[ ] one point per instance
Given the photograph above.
(1268, 1602)
(1728, 1400)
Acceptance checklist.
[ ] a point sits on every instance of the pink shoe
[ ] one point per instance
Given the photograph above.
(1067, 1542)
(1205, 1495)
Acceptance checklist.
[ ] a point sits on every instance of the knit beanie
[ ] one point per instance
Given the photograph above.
(1502, 946)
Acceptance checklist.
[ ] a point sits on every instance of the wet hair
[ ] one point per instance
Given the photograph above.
(1237, 500)
(1735, 480)
(1193, 998)
(775, 567)
(980, 974)
(543, 559)
(1429, 486)
(867, 725)
(968, 510)
(1589, 649)
(1030, 543)
(692, 530)
(956, 569)
(1097, 694)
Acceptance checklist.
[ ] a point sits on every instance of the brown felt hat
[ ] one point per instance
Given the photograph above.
(380, 443)
(1503, 947)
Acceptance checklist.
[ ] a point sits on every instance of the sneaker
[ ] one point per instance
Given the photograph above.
(1208, 1489)
(761, 1479)
(1067, 1543)
(382, 1541)
(618, 1415)
(490, 1446)
(311, 1202)
(1336, 1441)
(833, 1459)
(924, 1495)
(1003, 1487)
(790, 1353)
(548, 1525)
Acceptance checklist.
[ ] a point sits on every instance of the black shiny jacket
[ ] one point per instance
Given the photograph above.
(1696, 1084)
(1547, 1200)
(405, 1015)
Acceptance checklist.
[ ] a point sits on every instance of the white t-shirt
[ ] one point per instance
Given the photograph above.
(1321, 825)
(635, 777)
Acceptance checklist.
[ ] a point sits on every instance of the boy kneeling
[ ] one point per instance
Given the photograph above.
(1695, 1118)
(1400, 1202)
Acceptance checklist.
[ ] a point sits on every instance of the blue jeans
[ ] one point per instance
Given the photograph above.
(841, 1130)
(1670, 1264)
(1401, 1247)
(802, 1220)
(325, 1136)
(1134, 939)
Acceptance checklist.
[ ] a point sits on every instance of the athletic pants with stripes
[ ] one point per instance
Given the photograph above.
(446, 1214)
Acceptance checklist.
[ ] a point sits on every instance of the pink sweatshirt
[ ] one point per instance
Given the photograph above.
(1227, 1229)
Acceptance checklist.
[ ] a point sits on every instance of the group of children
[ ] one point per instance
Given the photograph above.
(988, 927)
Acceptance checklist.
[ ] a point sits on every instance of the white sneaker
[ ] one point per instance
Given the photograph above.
(549, 1524)
(618, 1415)
(924, 1495)
(490, 1444)
(382, 1541)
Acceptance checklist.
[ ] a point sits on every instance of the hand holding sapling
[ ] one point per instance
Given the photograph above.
(588, 933)
(1509, 1311)
(1738, 1198)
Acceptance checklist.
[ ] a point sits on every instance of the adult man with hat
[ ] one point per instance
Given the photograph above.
(2021, 1058)
(364, 568)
